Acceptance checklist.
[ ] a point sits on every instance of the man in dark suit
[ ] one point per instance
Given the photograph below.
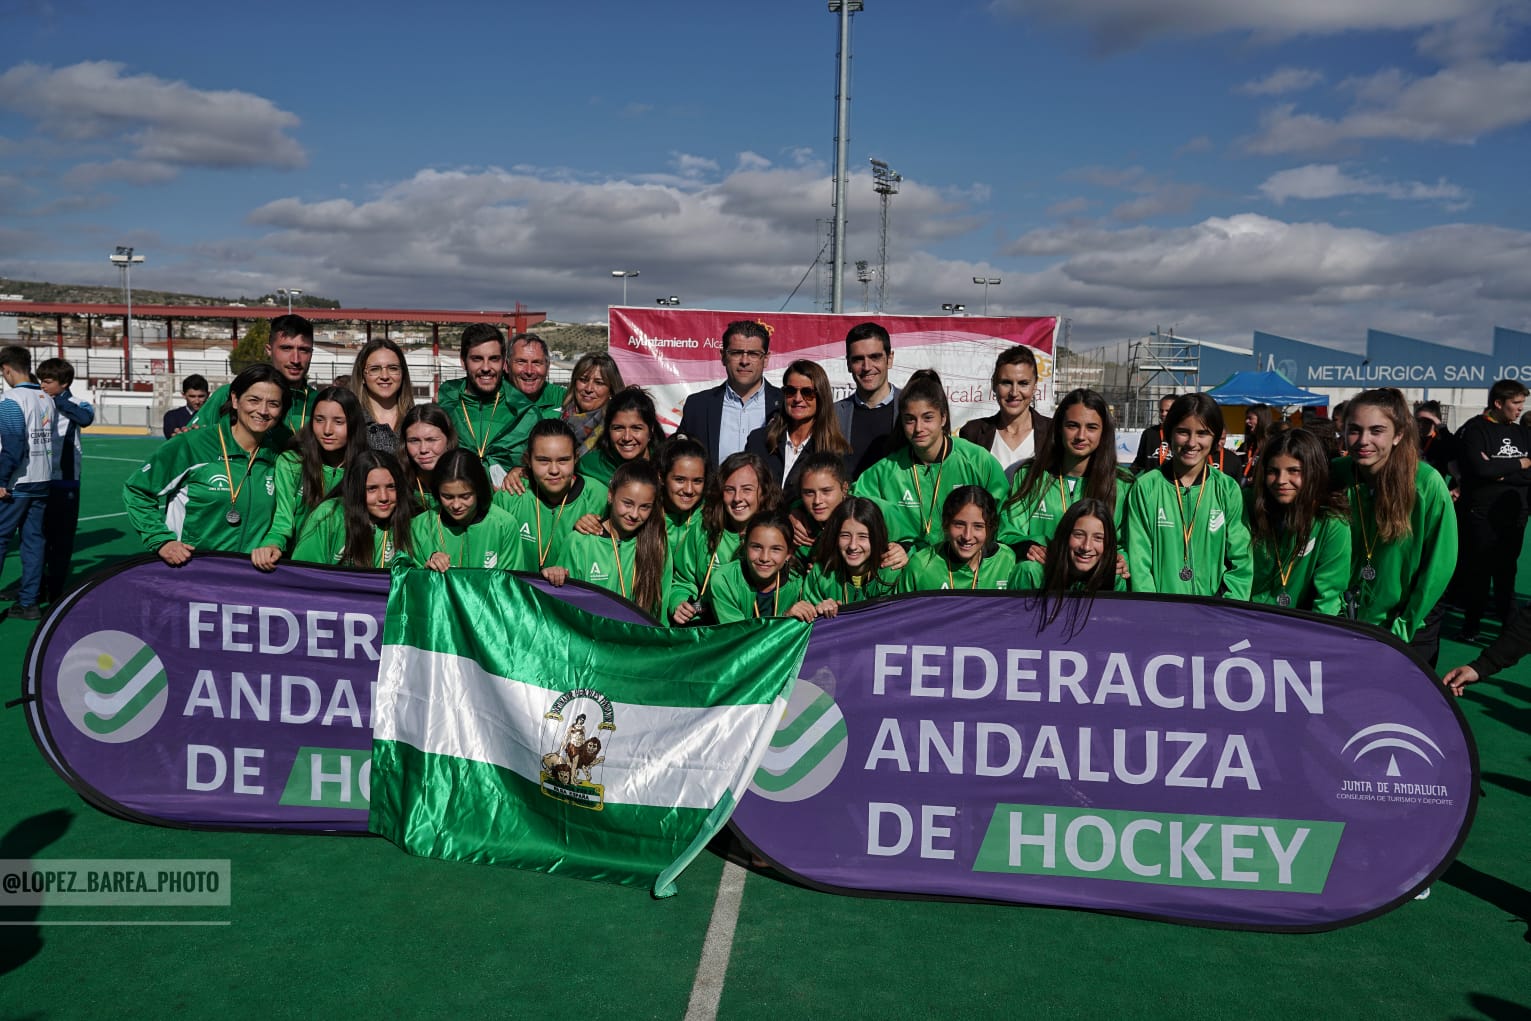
(194, 389)
(1153, 446)
(722, 418)
(867, 416)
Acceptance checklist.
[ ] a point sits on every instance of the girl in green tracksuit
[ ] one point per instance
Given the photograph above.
(366, 523)
(428, 434)
(334, 434)
(848, 558)
(1079, 558)
(762, 581)
(1185, 521)
(1077, 462)
(742, 488)
(553, 498)
(466, 529)
(213, 488)
(912, 483)
(1403, 532)
(632, 432)
(969, 558)
(629, 556)
(1301, 530)
(684, 475)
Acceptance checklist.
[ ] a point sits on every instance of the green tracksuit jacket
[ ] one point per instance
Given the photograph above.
(931, 569)
(490, 542)
(1220, 560)
(539, 521)
(911, 495)
(298, 413)
(323, 539)
(291, 511)
(1317, 574)
(735, 599)
(183, 492)
(1037, 519)
(824, 585)
(596, 560)
(1028, 576)
(1412, 573)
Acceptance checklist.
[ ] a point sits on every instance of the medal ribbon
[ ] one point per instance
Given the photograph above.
(1360, 519)
(542, 551)
(935, 495)
(616, 553)
(488, 430)
(228, 469)
(1190, 528)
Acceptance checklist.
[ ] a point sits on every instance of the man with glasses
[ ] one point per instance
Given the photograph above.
(722, 418)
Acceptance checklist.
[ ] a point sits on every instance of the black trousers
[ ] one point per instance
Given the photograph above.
(1491, 539)
(60, 522)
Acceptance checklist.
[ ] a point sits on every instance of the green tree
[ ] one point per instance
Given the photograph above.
(251, 349)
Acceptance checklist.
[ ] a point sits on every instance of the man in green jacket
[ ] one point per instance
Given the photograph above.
(494, 414)
(290, 350)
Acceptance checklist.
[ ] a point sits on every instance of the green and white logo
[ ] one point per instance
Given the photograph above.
(808, 748)
(112, 687)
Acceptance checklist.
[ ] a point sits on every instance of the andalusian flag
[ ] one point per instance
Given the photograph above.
(511, 728)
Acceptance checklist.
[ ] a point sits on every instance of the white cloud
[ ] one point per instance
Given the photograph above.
(1283, 80)
(1120, 24)
(1201, 143)
(169, 124)
(1456, 104)
(1156, 196)
(1328, 180)
(693, 166)
(88, 175)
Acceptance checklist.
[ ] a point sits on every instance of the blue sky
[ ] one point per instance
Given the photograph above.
(1306, 167)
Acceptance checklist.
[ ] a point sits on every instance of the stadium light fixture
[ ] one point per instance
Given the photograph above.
(124, 259)
(624, 274)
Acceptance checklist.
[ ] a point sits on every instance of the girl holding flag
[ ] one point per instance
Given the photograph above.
(365, 522)
(969, 558)
(334, 434)
(848, 559)
(214, 488)
(555, 497)
(761, 582)
(467, 529)
(629, 556)
(1185, 521)
(1300, 528)
(912, 483)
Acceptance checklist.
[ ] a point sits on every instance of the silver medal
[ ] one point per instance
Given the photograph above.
(232, 517)
(1368, 573)
(1185, 574)
(1283, 600)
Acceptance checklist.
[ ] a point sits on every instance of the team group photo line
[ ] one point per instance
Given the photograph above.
(782, 501)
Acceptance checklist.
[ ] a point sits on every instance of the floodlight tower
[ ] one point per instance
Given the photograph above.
(124, 259)
(844, 8)
(864, 275)
(885, 183)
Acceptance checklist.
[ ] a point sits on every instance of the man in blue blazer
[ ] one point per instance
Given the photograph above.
(721, 419)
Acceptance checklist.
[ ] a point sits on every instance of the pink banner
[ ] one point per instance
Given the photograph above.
(675, 352)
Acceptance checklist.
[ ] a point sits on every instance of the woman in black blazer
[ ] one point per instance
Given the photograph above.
(804, 424)
(1016, 432)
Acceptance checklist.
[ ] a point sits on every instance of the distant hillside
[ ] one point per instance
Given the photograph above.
(573, 339)
(33, 290)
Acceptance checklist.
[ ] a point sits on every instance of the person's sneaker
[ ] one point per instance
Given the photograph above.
(1423, 894)
(19, 612)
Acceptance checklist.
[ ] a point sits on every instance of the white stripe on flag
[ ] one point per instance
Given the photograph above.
(668, 756)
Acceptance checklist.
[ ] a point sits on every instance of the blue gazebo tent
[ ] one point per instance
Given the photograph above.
(1269, 387)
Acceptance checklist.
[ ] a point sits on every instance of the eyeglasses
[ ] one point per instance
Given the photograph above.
(743, 354)
(807, 393)
(375, 371)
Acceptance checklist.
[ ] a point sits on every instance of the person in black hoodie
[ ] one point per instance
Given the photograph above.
(1494, 456)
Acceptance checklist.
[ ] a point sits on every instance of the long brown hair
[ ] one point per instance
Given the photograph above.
(359, 550)
(1394, 482)
(311, 455)
(1102, 476)
(1269, 519)
(825, 433)
(422, 414)
(714, 515)
(649, 552)
(406, 399)
(1058, 578)
(826, 549)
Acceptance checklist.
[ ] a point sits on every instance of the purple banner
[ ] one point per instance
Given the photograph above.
(212, 695)
(1193, 760)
